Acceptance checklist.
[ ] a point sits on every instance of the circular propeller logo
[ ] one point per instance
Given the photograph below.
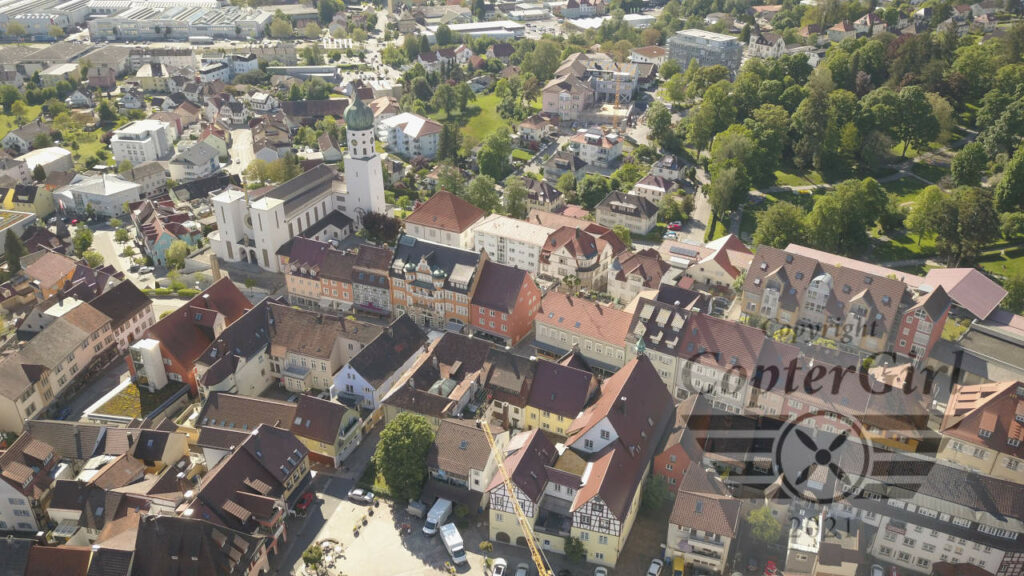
(810, 461)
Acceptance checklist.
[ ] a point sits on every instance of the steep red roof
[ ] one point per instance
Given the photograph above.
(584, 317)
(186, 332)
(989, 414)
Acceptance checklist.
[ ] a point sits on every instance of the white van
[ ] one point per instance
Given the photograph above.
(437, 515)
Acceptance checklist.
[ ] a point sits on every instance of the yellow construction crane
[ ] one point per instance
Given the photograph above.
(524, 522)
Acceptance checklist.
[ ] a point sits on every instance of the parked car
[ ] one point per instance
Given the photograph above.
(146, 270)
(499, 567)
(677, 225)
(670, 235)
(361, 496)
(522, 569)
(752, 563)
(770, 569)
(600, 571)
(877, 570)
(655, 568)
(304, 502)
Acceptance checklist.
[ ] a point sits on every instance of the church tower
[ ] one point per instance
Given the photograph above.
(364, 176)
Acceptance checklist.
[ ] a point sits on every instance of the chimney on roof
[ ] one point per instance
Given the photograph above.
(131, 439)
(622, 405)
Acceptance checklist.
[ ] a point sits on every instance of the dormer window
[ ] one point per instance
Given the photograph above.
(984, 433)
(764, 265)
(1014, 442)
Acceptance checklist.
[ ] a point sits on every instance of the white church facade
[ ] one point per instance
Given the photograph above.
(252, 229)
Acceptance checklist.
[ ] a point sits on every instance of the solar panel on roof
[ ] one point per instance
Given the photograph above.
(407, 241)
(684, 251)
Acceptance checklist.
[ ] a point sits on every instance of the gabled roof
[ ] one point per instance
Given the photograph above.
(319, 419)
(629, 204)
(121, 302)
(388, 351)
(185, 332)
(174, 546)
(58, 561)
(561, 390)
(968, 287)
(704, 503)
(459, 446)
(14, 555)
(584, 317)
(647, 264)
(527, 457)
(499, 287)
(244, 413)
(446, 211)
(990, 414)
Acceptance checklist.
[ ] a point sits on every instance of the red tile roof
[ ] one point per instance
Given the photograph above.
(447, 212)
(995, 407)
(704, 503)
(584, 317)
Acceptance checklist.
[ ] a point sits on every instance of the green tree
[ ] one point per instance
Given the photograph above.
(121, 235)
(115, 222)
(655, 494)
(515, 197)
(448, 146)
(20, 110)
(1011, 225)
(780, 225)
(39, 173)
(445, 98)
(543, 60)
(840, 219)
(592, 189)
(128, 251)
(1014, 301)
(106, 112)
(449, 178)
(14, 250)
(659, 120)
(493, 157)
(926, 214)
(669, 69)
(42, 141)
(566, 184)
(728, 188)
(483, 194)
(784, 334)
(575, 551)
(406, 439)
(1010, 190)
(176, 254)
(675, 88)
(623, 233)
(15, 30)
(627, 175)
(916, 124)
(311, 30)
(93, 258)
(969, 164)
(281, 28)
(969, 223)
(8, 96)
(313, 556)
(81, 240)
(763, 525)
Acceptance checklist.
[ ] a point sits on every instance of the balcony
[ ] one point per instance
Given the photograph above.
(714, 545)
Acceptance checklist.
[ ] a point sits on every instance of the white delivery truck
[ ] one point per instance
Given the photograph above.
(438, 513)
(453, 543)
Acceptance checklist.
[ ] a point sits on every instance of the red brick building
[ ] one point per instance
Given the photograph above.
(504, 303)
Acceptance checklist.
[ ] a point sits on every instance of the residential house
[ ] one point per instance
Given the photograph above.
(141, 141)
(565, 323)
(461, 456)
(263, 103)
(51, 362)
(216, 136)
(566, 97)
(654, 188)
(632, 211)
(330, 430)
(561, 162)
(502, 51)
(163, 541)
(130, 312)
(197, 161)
(159, 224)
(540, 194)
(102, 77)
(983, 429)
(715, 266)
(594, 146)
(77, 99)
(766, 45)
(504, 303)
(150, 176)
(870, 24)
(512, 242)
(271, 136)
(31, 198)
(375, 369)
(537, 128)
(634, 272)
(22, 139)
(557, 395)
(704, 521)
(410, 135)
(649, 55)
(383, 108)
(14, 171)
(171, 347)
(106, 193)
(214, 71)
(442, 381)
(131, 99)
(841, 31)
(583, 251)
(859, 308)
(445, 219)
(26, 482)
(329, 148)
(434, 283)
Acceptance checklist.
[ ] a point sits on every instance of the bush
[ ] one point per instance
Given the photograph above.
(187, 293)
(162, 291)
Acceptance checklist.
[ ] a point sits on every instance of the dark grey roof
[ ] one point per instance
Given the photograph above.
(629, 204)
(196, 154)
(297, 191)
(121, 302)
(441, 259)
(110, 562)
(14, 555)
(380, 358)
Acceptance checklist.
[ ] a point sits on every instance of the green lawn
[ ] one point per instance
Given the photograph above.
(8, 122)
(88, 145)
(902, 245)
(796, 178)
(930, 173)
(1004, 262)
(520, 154)
(481, 117)
(907, 188)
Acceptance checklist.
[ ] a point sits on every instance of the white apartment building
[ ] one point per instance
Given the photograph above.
(409, 135)
(511, 242)
(594, 146)
(142, 141)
